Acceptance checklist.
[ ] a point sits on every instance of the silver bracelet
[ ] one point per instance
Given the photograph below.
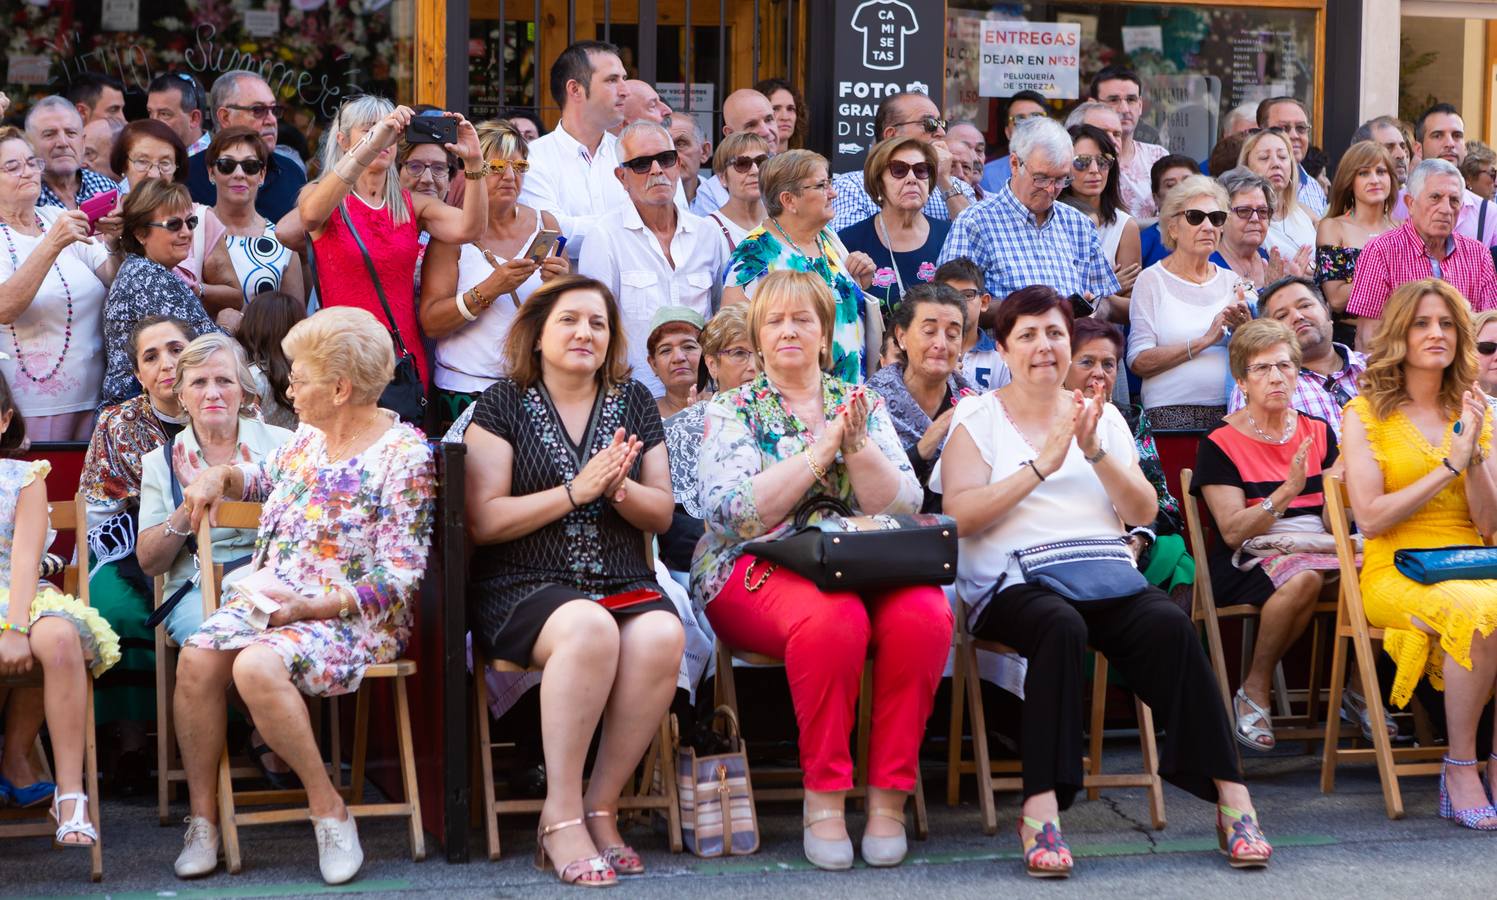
(172, 531)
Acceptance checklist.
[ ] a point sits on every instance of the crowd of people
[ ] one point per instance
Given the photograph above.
(647, 336)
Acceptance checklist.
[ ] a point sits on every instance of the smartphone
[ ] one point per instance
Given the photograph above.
(431, 130)
(540, 248)
(98, 206)
(1081, 307)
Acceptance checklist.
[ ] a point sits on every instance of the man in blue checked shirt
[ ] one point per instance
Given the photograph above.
(1019, 236)
(908, 114)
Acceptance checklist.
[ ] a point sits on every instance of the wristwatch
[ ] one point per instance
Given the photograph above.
(953, 192)
(1268, 507)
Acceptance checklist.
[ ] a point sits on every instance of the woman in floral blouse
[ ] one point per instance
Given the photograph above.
(792, 433)
(348, 508)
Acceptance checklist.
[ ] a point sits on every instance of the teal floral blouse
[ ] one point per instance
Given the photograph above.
(749, 429)
(762, 252)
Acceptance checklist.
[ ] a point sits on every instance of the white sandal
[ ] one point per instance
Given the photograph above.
(77, 823)
(1248, 734)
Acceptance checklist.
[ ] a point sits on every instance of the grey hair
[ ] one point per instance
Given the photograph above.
(1364, 131)
(645, 125)
(226, 88)
(1044, 135)
(1430, 168)
(205, 347)
(696, 127)
(52, 102)
(1248, 112)
(1079, 113)
(361, 112)
(1241, 178)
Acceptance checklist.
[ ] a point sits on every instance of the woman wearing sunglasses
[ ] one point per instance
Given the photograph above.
(1183, 310)
(1486, 354)
(900, 238)
(236, 164)
(737, 162)
(470, 293)
(158, 227)
(1096, 189)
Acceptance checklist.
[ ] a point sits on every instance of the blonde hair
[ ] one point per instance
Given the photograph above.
(730, 325)
(345, 341)
(737, 144)
(784, 173)
(1256, 337)
(1289, 196)
(1481, 321)
(498, 139)
(1180, 196)
(787, 286)
(1383, 382)
(1361, 155)
(364, 112)
(205, 347)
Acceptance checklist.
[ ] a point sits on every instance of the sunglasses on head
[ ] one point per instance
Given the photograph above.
(899, 169)
(1486, 348)
(1197, 216)
(175, 223)
(742, 164)
(641, 165)
(226, 165)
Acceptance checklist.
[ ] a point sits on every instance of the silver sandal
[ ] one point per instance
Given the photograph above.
(1354, 710)
(1248, 734)
(77, 823)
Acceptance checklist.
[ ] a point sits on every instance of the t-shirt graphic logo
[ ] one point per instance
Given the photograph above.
(884, 25)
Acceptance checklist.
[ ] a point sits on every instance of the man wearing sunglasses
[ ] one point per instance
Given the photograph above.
(744, 111)
(908, 114)
(1021, 106)
(1021, 237)
(1288, 115)
(1328, 370)
(244, 98)
(650, 252)
(1120, 88)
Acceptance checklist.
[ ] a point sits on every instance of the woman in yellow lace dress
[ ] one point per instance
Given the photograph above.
(1419, 470)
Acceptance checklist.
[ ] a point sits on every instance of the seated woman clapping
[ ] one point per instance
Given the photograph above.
(348, 507)
(792, 433)
(569, 478)
(1032, 464)
(1260, 474)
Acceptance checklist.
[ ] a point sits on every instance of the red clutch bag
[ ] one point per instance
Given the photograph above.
(628, 599)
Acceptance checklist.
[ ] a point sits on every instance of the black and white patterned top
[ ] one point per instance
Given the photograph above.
(142, 288)
(683, 438)
(594, 548)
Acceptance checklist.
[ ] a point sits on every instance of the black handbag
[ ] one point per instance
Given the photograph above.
(405, 395)
(843, 552)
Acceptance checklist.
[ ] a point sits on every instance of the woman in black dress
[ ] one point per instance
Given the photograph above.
(569, 478)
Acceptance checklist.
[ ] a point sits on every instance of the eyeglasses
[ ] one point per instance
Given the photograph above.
(164, 168)
(16, 166)
(175, 223)
(931, 124)
(1286, 369)
(259, 110)
(737, 355)
(824, 186)
(1014, 120)
(497, 166)
(1249, 213)
(899, 169)
(970, 294)
(742, 164)
(1299, 128)
(227, 164)
(1486, 348)
(296, 382)
(1086, 364)
(1102, 161)
(1195, 217)
(1115, 99)
(641, 165)
(1047, 182)
(417, 169)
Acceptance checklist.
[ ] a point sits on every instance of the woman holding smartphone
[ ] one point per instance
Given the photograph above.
(471, 292)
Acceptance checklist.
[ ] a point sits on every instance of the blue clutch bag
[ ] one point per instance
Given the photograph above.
(1437, 564)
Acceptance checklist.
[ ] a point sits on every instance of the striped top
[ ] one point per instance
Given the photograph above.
(1227, 456)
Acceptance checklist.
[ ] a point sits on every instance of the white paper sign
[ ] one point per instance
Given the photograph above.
(262, 22)
(119, 15)
(27, 70)
(1143, 37)
(674, 95)
(1032, 56)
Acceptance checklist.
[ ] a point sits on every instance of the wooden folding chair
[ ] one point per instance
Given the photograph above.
(1006, 775)
(726, 694)
(408, 807)
(35, 822)
(1352, 626)
(1287, 725)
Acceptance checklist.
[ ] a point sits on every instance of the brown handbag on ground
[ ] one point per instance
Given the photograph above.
(717, 801)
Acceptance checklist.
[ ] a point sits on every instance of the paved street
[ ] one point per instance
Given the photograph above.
(1327, 846)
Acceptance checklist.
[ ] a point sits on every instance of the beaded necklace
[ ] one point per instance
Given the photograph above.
(67, 330)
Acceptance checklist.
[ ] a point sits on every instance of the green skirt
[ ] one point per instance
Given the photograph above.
(127, 692)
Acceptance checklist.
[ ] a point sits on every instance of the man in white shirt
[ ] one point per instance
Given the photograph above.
(572, 167)
(693, 151)
(745, 110)
(911, 114)
(1120, 88)
(649, 252)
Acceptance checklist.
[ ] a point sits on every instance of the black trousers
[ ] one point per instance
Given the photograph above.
(1152, 644)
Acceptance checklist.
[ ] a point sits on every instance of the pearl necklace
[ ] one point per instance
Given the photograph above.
(1292, 420)
(67, 329)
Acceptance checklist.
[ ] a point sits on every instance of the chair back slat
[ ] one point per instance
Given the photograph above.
(1338, 503)
(232, 514)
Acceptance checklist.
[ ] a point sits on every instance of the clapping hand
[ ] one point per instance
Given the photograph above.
(1088, 415)
(930, 442)
(1296, 479)
(1058, 441)
(605, 473)
(855, 418)
(1467, 439)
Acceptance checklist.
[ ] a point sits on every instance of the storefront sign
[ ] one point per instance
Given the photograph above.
(27, 70)
(881, 47)
(119, 15)
(262, 22)
(674, 95)
(963, 49)
(1031, 56)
